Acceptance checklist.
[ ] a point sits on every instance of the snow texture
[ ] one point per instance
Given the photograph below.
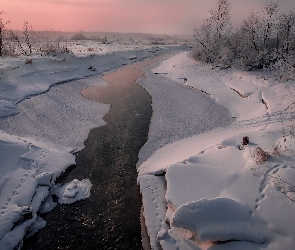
(220, 219)
(28, 170)
(214, 183)
(178, 112)
(43, 120)
(152, 189)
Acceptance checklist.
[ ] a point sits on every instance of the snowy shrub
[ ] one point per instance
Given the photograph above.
(53, 47)
(29, 61)
(213, 33)
(226, 56)
(25, 40)
(284, 66)
(265, 40)
(259, 155)
(79, 36)
(9, 49)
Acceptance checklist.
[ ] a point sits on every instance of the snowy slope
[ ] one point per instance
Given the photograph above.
(216, 189)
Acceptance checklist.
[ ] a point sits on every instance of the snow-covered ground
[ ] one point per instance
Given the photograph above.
(196, 191)
(211, 192)
(88, 47)
(43, 120)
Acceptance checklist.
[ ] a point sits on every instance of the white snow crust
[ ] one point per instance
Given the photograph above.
(73, 191)
(214, 188)
(43, 120)
(218, 190)
(28, 171)
(219, 219)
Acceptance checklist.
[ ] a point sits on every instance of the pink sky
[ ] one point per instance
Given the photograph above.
(146, 16)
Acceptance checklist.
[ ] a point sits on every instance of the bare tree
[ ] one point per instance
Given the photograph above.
(270, 17)
(257, 37)
(24, 43)
(251, 30)
(2, 27)
(265, 40)
(284, 54)
(214, 31)
(28, 35)
(286, 31)
(249, 42)
(15, 37)
(220, 19)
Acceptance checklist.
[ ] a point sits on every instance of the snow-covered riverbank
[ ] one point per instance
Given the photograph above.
(203, 189)
(215, 188)
(42, 122)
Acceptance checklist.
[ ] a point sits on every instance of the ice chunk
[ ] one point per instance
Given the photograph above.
(44, 178)
(74, 191)
(132, 57)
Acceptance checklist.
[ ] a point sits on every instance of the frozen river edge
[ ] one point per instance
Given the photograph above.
(31, 80)
(179, 112)
(199, 176)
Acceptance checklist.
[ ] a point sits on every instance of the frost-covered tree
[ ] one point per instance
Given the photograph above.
(250, 42)
(269, 20)
(286, 32)
(220, 19)
(26, 40)
(2, 28)
(265, 40)
(213, 33)
(284, 54)
(29, 34)
(258, 34)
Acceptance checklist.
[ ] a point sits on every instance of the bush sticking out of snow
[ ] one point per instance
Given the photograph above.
(259, 155)
(220, 219)
(29, 61)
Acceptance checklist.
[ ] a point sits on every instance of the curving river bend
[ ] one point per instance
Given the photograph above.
(110, 218)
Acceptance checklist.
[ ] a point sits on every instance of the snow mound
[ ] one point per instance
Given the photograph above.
(220, 219)
(74, 191)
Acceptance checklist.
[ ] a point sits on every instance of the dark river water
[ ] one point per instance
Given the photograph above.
(110, 217)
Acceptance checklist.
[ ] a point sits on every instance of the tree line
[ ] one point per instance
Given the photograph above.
(26, 41)
(264, 40)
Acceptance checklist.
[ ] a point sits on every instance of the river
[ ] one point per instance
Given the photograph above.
(110, 218)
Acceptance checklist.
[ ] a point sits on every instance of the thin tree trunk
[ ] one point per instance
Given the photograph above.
(1, 39)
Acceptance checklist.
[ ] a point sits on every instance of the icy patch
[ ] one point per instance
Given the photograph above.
(73, 191)
(63, 107)
(178, 112)
(7, 108)
(220, 219)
